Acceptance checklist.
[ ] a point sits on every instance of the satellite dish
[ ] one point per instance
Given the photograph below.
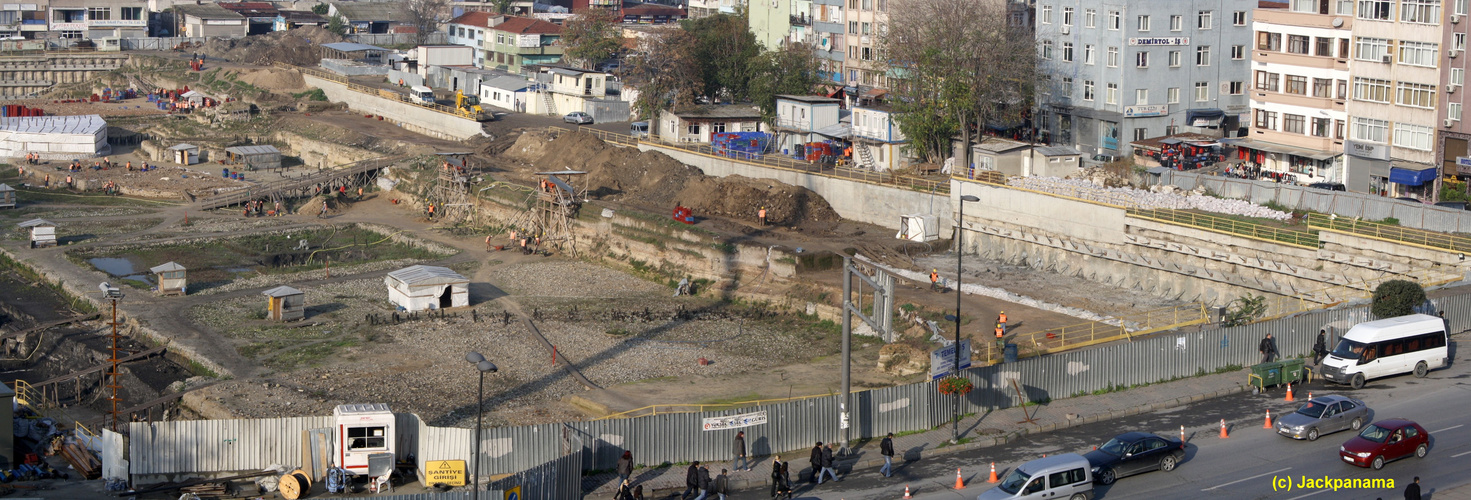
(1337, 22)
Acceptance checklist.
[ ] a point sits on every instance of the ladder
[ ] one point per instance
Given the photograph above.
(865, 160)
(551, 104)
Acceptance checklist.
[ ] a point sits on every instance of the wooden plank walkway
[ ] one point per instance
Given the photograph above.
(298, 186)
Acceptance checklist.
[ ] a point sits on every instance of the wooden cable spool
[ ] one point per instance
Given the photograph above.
(295, 485)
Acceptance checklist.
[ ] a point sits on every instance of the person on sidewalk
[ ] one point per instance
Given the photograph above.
(625, 465)
(1412, 492)
(1268, 348)
(738, 448)
(785, 489)
(886, 448)
(721, 485)
(816, 459)
(625, 491)
(775, 475)
(691, 480)
(1320, 347)
(704, 482)
(827, 464)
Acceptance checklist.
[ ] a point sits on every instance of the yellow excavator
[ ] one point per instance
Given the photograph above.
(469, 107)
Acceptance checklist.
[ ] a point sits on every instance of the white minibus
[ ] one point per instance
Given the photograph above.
(1414, 343)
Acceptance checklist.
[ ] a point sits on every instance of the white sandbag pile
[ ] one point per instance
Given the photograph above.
(1163, 198)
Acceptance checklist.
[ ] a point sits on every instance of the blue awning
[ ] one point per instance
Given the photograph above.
(1191, 115)
(1411, 177)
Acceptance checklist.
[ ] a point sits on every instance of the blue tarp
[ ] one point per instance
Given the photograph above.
(1411, 177)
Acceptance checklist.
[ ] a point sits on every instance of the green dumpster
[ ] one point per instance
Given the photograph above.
(1292, 370)
(1265, 374)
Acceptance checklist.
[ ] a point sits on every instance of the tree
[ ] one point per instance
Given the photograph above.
(956, 62)
(502, 6)
(337, 24)
(724, 48)
(592, 37)
(1396, 298)
(425, 16)
(666, 74)
(1244, 310)
(319, 9)
(789, 70)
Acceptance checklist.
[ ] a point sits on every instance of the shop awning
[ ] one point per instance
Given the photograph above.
(1203, 116)
(1409, 177)
(1283, 148)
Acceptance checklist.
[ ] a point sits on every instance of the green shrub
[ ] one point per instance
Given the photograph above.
(1396, 298)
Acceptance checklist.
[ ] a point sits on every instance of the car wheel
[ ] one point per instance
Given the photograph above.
(1421, 450)
(1167, 463)
(1078, 496)
(1106, 477)
(1378, 463)
(1356, 424)
(1313, 434)
(1357, 382)
(1421, 369)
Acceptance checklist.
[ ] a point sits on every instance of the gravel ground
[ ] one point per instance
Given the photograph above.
(275, 279)
(106, 227)
(229, 224)
(571, 279)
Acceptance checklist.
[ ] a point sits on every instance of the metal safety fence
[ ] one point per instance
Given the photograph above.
(1391, 232)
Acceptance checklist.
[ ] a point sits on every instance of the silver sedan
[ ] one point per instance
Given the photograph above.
(1323, 415)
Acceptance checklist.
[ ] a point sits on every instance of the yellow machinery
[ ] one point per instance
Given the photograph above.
(468, 106)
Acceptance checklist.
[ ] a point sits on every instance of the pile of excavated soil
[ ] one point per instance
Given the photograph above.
(314, 205)
(274, 79)
(654, 179)
(300, 46)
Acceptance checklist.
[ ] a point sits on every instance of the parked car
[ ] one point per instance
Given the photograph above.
(1057, 476)
(639, 130)
(578, 117)
(1384, 441)
(1133, 453)
(1409, 199)
(1331, 186)
(1323, 415)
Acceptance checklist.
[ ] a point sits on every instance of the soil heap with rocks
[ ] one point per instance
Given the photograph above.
(654, 180)
(300, 47)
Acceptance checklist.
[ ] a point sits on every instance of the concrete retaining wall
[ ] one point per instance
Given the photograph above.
(408, 116)
(853, 200)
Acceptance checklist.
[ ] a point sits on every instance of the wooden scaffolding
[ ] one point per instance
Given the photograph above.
(452, 193)
(555, 203)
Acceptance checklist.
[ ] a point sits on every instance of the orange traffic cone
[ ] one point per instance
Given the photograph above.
(1289, 392)
(1268, 423)
(1310, 395)
(1182, 434)
(959, 483)
(906, 491)
(993, 478)
(1223, 429)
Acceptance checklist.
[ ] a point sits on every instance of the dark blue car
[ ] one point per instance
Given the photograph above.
(1133, 453)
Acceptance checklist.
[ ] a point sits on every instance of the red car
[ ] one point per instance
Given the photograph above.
(1384, 441)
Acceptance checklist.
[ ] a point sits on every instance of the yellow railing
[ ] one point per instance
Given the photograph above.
(1390, 232)
(1096, 332)
(1304, 239)
(695, 408)
(25, 394)
(1329, 296)
(373, 91)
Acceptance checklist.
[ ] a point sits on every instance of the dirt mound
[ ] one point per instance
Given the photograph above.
(314, 205)
(740, 197)
(300, 46)
(529, 147)
(274, 79)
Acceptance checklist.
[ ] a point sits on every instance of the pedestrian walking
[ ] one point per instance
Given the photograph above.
(886, 448)
(738, 448)
(625, 465)
(785, 490)
(935, 280)
(827, 464)
(323, 213)
(721, 485)
(1412, 492)
(1446, 322)
(638, 492)
(691, 480)
(1320, 346)
(625, 491)
(704, 482)
(1001, 319)
(775, 475)
(1268, 348)
(1000, 333)
(816, 459)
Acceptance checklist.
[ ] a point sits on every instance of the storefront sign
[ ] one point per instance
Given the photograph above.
(68, 26)
(449, 472)
(1463, 165)
(1146, 110)
(222, 22)
(734, 421)
(1366, 150)
(528, 41)
(1168, 40)
(116, 22)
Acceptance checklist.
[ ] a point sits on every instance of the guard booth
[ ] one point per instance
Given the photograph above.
(184, 154)
(43, 232)
(170, 279)
(284, 303)
(364, 432)
(7, 196)
(418, 288)
(254, 157)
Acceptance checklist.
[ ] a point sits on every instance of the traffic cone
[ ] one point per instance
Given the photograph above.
(1310, 395)
(1223, 429)
(906, 491)
(1289, 392)
(1182, 434)
(959, 483)
(993, 478)
(1268, 423)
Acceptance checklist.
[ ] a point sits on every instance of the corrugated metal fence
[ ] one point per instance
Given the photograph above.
(542, 452)
(1345, 204)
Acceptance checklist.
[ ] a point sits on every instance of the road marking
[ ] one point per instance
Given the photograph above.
(1310, 494)
(1449, 428)
(1461, 455)
(1246, 479)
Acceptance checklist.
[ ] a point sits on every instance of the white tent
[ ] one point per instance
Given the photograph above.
(418, 288)
(54, 137)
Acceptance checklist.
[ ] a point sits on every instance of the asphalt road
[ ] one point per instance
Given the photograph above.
(1245, 465)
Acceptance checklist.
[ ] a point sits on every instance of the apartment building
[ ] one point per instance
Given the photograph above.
(1117, 72)
(1299, 91)
(1455, 158)
(829, 39)
(866, 20)
(1396, 88)
(776, 23)
(99, 18)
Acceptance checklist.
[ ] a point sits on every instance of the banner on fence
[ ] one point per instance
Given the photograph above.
(942, 360)
(448, 472)
(735, 421)
(514, 493)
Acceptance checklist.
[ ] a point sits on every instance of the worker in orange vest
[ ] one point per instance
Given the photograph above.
(761, 216)
(935, 279)
(431, 210)
(1000, 331)
(1001, 319)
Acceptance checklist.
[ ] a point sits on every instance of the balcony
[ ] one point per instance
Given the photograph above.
(802, 20)
(1303, 19)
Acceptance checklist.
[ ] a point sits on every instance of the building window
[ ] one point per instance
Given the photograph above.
(1172, 95)
(693, 129)
(1174, 58)
(1113, 57)
(131, 14)
(1293, 123)
(865, 28)
(1141, 134)
(1067, 86)
(1461, 7)
(1369, 129)
(1320, 127)
(1111, 93)
(1372, 90)
(1342, 89)
(1203, 20)
(1415, 95)
(1090, 18)
(1371, 49)
(1414, 136)
(1297, 84)
(1088, 54)
(1323, 47)
(1236, 88)
(1141, 97)
(1067, 51)
(1297, 44)
(718, 127)
(1046, 14)
(1087, 90)
(500, 38)
(1458, 76)
(1343, 48)
(1238, 52)
(1067, 16)
(1266, 120)
(853, 27)
(1420, 11)
(99, 13)
(1202, 91)
(1143, 23)
(1345, 8)
(1323, 87)
(1177, 23)
(366, 438)
(867, 54)
(1374, 9)
(1266, 81)
(1453, 111)
(1238, 18)
(1115, 20)
(1203, 55)
(1047, 49)
(1141, 59)
(1269, 41)
(1458, 41)
(1306, 6)
(1418, 53)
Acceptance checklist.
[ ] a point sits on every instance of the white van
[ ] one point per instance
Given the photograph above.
(1414, 343)
(421, 94)
(1053, 478)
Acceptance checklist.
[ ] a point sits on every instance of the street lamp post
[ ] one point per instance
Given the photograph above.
(955, 421)
(483, 367)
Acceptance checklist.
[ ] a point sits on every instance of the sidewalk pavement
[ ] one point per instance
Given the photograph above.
(977, 431)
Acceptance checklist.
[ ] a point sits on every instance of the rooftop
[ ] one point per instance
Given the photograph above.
(166, 267)
(208, 11)
(370, 11)
(725, 111)
(652, 10)
(352, 47)
(1058, 151)
(253, 150)
(526, 26)
(810, 99)
(427, 275)
(477, 18)
(281, 291)
(76, 124)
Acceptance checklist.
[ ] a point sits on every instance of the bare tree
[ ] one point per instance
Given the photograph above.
(962, 64)
(666, 73)
(426, 16)
(592, 37)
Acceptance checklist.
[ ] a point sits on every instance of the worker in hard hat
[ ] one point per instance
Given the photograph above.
(761, 216)
(1001, 320)
(935, 279)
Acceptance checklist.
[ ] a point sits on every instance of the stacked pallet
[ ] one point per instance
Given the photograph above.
(82, 459)
(207, 490)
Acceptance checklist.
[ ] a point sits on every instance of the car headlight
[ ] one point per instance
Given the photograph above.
(1342, 449)
(1364, 454)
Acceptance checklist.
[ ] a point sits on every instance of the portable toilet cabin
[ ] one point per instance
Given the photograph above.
(7, 196)
(284, 303)
(364, 431)
(170, 279)
(417, 288)
(185, 154)
(43, 232)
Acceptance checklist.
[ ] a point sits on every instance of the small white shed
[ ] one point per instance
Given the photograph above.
(185, 154)
(171, 280)
(417, 288)
(284, 303)
(7, 196)
(365, 431)
(919, 228)
(43, 232)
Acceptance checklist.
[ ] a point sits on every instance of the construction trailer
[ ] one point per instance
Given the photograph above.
(365, 434)
(420, 288)
(43, 232)
(7, 196)
(284, 303)
(254, 157)
(184, 154)
(171, 279)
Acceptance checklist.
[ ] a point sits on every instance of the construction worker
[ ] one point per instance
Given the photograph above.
(487, 243)
(1000, 332)
(360, 193)
(935, 280)
(431, 210)
(1001, 319)
(761, 216)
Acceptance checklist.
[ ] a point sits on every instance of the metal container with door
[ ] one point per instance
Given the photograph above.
(1265, 374)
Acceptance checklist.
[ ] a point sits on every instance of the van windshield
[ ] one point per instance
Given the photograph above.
(1014, 481)
(1348, 349)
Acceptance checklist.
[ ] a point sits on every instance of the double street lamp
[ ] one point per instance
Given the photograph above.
(955, 421)
(484, 367)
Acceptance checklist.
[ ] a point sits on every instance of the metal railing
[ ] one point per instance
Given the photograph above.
(1329, 296)
(1390, 232)
(1303, 239)
(1096, 332)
